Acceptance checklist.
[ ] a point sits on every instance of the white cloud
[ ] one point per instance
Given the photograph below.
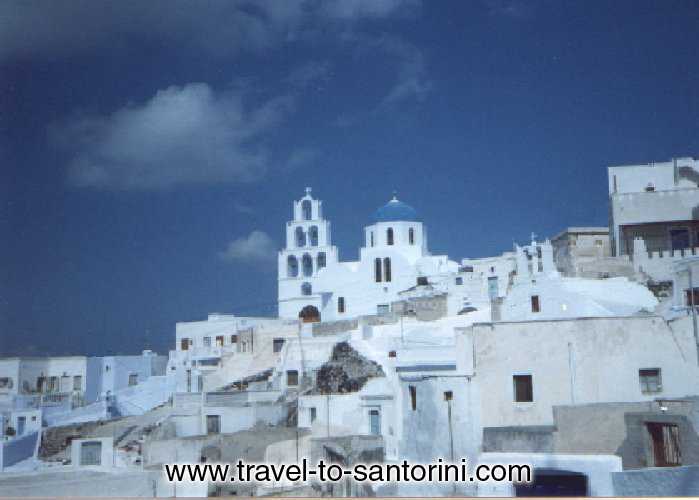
(506, 8)
(412, 82)
(30, 28)
(354, 9)
(313, 72)
(243, 208)
(301, 157)
(256, 247)
(182, 135)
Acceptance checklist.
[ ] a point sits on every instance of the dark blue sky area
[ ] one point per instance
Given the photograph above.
(150, 151)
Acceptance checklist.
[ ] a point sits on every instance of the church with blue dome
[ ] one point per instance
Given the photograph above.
(395, 210)
(315, 285)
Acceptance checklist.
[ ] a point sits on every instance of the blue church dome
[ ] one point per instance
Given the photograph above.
(395, 210)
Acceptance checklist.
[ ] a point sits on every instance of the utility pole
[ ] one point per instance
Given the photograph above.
(691, 305)
(448, 397)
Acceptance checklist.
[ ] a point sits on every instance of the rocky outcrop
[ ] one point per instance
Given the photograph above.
(347, 371)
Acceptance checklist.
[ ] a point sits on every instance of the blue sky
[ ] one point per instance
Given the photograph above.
(150, 151)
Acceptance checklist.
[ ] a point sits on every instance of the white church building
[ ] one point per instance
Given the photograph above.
(314, 284)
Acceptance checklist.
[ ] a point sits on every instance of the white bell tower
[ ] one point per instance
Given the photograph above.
(307, 252)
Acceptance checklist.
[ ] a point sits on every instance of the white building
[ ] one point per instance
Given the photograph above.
(653, 214)
(30, 375)
(313, 281)
(577, 248)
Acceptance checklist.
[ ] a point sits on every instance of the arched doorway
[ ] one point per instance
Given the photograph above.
(310, 314)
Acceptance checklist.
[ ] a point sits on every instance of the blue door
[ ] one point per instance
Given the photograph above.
(21, 424)
(375, 422)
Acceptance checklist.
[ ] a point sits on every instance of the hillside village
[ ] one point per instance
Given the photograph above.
(576, 353)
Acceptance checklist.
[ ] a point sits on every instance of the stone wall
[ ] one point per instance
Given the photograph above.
(660, 482)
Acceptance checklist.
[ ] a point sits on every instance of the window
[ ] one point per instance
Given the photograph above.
(389, 236)
(300, 237)
(6, 383)
(523, 390)
(219, 340)
(535, 304)
(692, 296)
(679, 238)
(650, 381)
(91, 453)
(234, 339)
(665, 444)
(413, 397)
(375, 422)
(133, 379)
(340, 304)
(387, 269)
(492, 269)
(213, 424)
(313, 236)
(292, 267)
(382, 309)
(459, 280)
(184, 344)
(650, 187)
(53, 383)
(307, 265)
(78, 383)
(313, 412)
(207, 341)
(320, 260)
(371, 238)
(422, 281)
(292, 378)
(306, 209)
(277, 345)
(306, 289)
(599, 243)
(448, 395)
(411, 236)
(377, 270)
(466, 269)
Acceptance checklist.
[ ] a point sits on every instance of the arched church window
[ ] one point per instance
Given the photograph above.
(411, 236)
(387, 269)
(377, 270)
(389, 236)
(300, 237)
(307, 265)
(292, 267)
(313, 236)
(306, 209)
(306, 289)
(320, 260)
